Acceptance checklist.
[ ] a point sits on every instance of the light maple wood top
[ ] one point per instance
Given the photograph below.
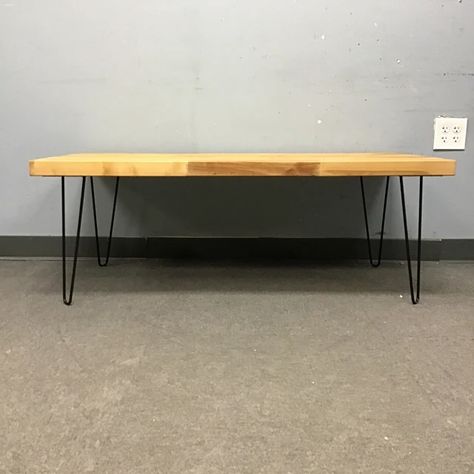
(242, 164)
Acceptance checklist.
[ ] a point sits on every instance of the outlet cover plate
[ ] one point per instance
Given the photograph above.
(450, 133)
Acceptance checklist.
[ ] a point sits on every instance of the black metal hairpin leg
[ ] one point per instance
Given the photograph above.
(112, 219)
(375, 264)
(414, 292)
(415, 286)
(67, 297)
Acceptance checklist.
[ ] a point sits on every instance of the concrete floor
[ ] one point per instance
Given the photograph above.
(181, 367)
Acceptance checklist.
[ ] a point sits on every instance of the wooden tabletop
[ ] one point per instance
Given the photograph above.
(242, 164)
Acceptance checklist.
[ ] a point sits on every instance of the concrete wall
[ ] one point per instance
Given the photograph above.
(222, 75)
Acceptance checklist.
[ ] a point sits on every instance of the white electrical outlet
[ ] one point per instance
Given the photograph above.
(450, 133)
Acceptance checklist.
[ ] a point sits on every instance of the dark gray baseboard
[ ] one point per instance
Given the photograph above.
(209, 248)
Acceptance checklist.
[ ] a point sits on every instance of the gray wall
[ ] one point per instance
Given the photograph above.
(236, 76)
